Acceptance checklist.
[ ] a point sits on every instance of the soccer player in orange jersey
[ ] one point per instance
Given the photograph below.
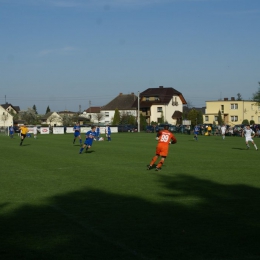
(165, 137)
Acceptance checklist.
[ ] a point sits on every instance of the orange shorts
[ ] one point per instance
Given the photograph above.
(162, 149)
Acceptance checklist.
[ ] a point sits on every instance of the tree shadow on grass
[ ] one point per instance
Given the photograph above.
(192, 219)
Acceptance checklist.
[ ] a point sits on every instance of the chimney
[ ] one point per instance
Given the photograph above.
(232, 98)
(120, 94)
(160, 86)
(225, 99)
(132, 93)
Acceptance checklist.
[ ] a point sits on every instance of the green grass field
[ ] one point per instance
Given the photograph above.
(104, 204)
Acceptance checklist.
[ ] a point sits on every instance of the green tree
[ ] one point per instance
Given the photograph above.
(252, 122)
(116, 119)
(162, 118)
(143, 122)
(220, 120)
(47, 110)
(199, 118)
(35, 109)
(256, 95)
(245, 122)
(193, 116)
(239, 97)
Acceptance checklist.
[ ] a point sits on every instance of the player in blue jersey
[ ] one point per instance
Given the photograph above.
(11, 131)
(108, 133)
(90, 135)
(196, 132)
(76, 130)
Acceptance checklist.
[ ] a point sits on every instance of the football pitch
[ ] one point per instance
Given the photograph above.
(58, 204)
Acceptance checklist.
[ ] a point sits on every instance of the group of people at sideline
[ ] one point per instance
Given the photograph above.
(247, 132)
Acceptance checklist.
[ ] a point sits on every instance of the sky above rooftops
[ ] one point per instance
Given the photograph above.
(70, 53)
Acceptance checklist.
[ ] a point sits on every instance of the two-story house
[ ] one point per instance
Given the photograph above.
(10, 108)
(52, 119)
(232, 111)
(93, 114)
(161, 105)
(124, 104)
(6, 119)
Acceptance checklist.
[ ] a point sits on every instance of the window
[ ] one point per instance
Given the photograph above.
(206, 118)
(147, 98)
(252, 106)
(216, 118)
(234, 118)
(259, 119)
(159, 109)
(222, 109)
(234, 106)
(156, 99)
(106, 114)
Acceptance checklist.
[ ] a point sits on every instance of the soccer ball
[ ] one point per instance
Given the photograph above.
(157, 138)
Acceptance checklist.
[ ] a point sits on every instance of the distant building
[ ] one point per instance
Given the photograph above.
(52, 119)
(10, 108)
(232, 111)
(125, 105)
(67, 113)
(6, 119)
(92, 114)
(161, 104)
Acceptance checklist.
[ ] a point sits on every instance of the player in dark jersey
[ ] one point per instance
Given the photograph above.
(90, 135)
(76, 130)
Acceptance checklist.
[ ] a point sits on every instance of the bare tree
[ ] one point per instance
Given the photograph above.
(99, 116)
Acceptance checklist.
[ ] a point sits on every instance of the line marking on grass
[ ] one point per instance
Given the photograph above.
(97, 233)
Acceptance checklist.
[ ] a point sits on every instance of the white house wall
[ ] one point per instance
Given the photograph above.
(167, 109)
(5, 115)
(109, 115)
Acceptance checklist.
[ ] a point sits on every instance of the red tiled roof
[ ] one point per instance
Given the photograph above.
(93, 110)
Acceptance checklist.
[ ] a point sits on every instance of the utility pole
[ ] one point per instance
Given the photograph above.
(138, 112)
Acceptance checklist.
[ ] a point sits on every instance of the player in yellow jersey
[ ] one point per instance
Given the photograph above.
(24, 130)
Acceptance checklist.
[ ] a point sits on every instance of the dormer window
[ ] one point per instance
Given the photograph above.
(146, 98)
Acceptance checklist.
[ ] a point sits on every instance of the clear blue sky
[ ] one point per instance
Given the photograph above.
(66, 53)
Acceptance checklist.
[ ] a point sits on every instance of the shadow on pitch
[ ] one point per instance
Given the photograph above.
(190, 218)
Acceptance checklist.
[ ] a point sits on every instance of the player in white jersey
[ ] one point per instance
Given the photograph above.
(223, 131)
(249, 134)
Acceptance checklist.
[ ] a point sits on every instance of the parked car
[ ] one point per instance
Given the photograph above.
(127, 128)
(172, 128)
(150, 129)
(183, 129)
